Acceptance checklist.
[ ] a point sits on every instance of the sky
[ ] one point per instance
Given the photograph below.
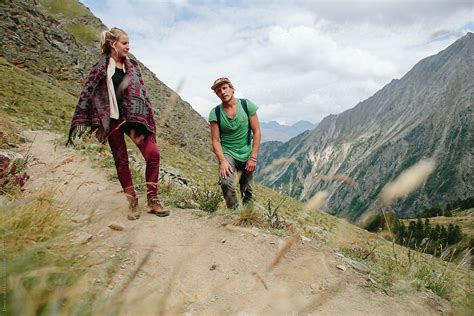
(297, 60)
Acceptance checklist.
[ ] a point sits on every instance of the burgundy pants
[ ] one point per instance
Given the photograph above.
(149, 151)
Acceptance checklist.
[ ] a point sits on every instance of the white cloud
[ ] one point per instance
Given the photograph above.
(300, 60)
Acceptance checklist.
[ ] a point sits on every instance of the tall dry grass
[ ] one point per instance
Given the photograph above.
(44, 272)
(408, 181)
(403, 269)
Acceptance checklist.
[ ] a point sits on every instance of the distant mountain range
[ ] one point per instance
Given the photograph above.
(273, 131)
(429, 113)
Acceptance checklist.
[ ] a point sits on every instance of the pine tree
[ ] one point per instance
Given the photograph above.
(401, 233)
(375, 224)
(435, 233)
(427, 229)
(443, 235)
(450, 236)
(458, 233)
(411, 233)
(419, 231)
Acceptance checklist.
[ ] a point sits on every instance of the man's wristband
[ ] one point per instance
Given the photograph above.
(253, 158)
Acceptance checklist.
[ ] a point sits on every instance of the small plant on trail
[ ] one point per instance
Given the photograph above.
(248, 216)
(360, 253)
(207, 198)
(12, 177)
(272, 217)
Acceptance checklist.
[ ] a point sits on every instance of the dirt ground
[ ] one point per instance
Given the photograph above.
(195, 264)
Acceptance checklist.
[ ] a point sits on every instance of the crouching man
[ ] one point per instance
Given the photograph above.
(233, 122)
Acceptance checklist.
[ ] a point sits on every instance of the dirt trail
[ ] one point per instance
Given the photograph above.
(197, 265)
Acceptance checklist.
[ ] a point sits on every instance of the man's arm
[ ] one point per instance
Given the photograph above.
(255, 127)
(224, 167)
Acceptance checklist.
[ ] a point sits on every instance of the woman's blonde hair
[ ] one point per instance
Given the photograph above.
(107, 38)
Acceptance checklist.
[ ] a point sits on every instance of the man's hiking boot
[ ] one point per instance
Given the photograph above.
(133, 210)
(156, 208)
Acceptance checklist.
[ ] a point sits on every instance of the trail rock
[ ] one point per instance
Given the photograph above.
(304, 239)
(82, 238)
(80, 219)
(359, 266)
(341, 267)
(116, 226)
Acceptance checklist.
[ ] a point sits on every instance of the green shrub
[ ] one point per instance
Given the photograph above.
(249, 216)
(272, 217)
(208, 198)
(12, 176)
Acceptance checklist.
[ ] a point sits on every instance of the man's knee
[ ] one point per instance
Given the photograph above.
(227, 182)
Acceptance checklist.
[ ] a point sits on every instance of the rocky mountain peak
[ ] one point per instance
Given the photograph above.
(427, 113)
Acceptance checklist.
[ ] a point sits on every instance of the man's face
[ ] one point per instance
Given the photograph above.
(224, 92)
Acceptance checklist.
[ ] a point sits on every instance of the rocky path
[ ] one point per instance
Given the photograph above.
(196, 265)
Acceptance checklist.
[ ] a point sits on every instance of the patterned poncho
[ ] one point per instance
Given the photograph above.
(93, 108)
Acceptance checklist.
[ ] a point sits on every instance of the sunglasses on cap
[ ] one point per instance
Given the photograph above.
(220, 81)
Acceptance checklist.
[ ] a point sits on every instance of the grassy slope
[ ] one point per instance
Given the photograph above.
(33, 102)
(465, 220)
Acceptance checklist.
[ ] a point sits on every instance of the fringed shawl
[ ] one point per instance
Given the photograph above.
(93, 108)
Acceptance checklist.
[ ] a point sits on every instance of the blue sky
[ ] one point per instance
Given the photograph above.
(295, 59)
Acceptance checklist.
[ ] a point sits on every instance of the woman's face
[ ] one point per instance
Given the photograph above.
(121, 47)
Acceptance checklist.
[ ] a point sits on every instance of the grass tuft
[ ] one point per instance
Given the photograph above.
(83, 34)
(32, 221)
(64, 8)
(208, 198)
(249, 216)
(38, 262)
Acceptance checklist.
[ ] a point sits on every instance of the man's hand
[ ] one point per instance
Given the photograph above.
(225, 169)
(251, 165)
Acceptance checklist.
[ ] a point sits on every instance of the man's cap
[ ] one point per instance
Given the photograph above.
(220, 81)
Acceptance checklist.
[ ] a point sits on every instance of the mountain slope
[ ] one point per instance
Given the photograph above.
(273, 131)
(427, 113)
(57, 41)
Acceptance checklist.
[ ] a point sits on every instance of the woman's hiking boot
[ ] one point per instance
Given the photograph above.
(156, 208)
(133, 210)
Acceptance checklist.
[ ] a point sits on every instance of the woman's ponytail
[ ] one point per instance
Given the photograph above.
(107, 38)
(102, 43)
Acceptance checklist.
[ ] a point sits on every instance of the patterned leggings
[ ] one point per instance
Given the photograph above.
(150, 152)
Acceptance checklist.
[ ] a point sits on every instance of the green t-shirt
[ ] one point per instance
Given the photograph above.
(234, 131)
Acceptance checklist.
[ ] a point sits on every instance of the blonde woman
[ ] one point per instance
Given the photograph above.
(114, 102)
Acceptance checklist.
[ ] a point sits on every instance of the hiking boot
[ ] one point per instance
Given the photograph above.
(156, 208)
(133, 210)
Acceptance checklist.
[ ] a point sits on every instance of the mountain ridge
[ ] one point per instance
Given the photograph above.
(383, 135)
(274, 131)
